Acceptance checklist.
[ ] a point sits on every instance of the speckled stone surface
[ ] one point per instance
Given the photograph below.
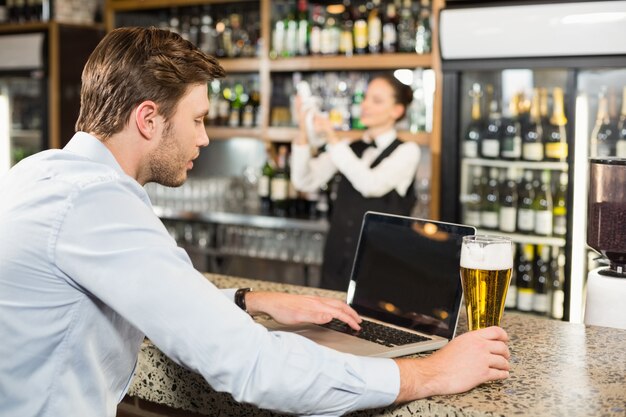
(558, 369)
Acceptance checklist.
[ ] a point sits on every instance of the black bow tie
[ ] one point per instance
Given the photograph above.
(371, 144)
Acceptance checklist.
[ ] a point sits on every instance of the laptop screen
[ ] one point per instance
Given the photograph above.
(406, 272)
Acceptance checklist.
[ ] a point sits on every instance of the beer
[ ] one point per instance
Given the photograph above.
(486, 266)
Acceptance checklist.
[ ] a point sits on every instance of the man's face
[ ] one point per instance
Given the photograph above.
(181, 139)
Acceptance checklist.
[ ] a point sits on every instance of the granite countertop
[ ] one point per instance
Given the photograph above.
(558, 369)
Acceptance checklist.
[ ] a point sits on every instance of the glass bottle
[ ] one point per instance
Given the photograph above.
(360, 30)
(557, 295)
(559, 210)
(532, 138)
(472, 215)
(526, 279)
(603, 137)
(423, 33)
(556, 147)
(490, 202)
(508, 202)
(490, 144)
(374, 28)
(541, 301)
(279, 188)
(264, 184)
(303, 28)
(390, 32)
(525, 212)
(511, 146)
(474, 131)
(621, 129)
(542, 205)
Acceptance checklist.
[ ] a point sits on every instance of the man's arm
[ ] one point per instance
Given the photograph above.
(466, 362)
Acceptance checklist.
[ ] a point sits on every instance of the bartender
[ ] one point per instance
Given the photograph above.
(376, 172)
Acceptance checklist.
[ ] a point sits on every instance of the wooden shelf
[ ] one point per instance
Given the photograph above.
(354, 63)
(27, 27)
(130, 5)
(286, 134)
(225, 132)
(240, 65)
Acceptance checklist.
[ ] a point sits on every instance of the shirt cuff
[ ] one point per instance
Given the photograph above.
(382, 380)
(229, 293)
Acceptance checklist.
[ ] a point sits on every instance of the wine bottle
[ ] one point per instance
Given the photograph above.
(543, 109)
(346, 42)
(559, 210)
(602, 136)
(474, 198)
(508, 202)
(360, 30)
(510, 301)
(279, 188)
(265, 180)
(423, 33)
(526, 279)
(621, 129)
(532, 138)
(355, 108)
(390, 32)
(474, 131)
(511, 147)
(525, 212)
(556, 147)
(303, 28)
(406, 28)
(490, 144)
(557, 295)
(374, 28)
(542, 205)
(542, 280)
(315, 35)
(490, 202)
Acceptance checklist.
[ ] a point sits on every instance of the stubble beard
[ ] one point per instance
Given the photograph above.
(167, 162)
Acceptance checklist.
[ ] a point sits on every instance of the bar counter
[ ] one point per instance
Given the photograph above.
(558, 369)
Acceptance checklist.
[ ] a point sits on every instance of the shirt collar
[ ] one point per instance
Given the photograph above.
(90, 147)
(384, 139)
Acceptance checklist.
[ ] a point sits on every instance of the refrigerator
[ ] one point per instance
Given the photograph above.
(530, 92)
(23, 97)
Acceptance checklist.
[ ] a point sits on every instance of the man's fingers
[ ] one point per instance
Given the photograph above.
(494, 333)
(500, 348)
(499, 362)
(497, 374)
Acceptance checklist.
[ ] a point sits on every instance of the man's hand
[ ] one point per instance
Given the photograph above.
(297, 309)
(467, 361)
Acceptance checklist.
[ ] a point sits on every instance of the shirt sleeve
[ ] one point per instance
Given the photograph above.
(397, 171)
(309, 174)
(112, 247)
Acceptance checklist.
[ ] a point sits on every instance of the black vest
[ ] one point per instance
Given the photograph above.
(346, 217)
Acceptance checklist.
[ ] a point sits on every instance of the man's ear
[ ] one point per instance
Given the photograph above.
(147, 119)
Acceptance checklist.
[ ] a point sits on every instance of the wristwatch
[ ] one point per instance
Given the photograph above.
(240, 298)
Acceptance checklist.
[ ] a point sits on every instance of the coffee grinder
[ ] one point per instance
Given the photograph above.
(606, 233)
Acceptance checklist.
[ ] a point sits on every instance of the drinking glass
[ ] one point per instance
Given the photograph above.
(486, 266)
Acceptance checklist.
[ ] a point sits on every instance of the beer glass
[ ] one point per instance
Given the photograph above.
(486, 266)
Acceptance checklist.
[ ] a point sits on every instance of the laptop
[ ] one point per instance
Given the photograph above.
(405, 282)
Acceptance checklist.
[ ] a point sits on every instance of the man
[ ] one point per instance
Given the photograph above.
(87, 269)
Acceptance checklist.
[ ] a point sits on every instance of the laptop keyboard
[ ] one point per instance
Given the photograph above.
(377, 333)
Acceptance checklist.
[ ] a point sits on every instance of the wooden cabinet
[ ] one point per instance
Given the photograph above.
(266, 67)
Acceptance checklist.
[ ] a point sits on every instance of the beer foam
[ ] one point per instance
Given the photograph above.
(492, 257)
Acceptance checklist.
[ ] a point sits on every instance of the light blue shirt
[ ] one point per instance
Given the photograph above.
(87, 269)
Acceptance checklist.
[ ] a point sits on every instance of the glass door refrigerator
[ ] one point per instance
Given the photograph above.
(530, 93)
(23, 97)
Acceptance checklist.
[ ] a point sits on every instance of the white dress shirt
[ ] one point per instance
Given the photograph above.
(397, 171)
(86, 269)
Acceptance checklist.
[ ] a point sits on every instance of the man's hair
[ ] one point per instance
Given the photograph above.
(132, 65)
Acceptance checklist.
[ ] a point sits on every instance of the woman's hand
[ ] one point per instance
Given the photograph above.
(297, 309)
